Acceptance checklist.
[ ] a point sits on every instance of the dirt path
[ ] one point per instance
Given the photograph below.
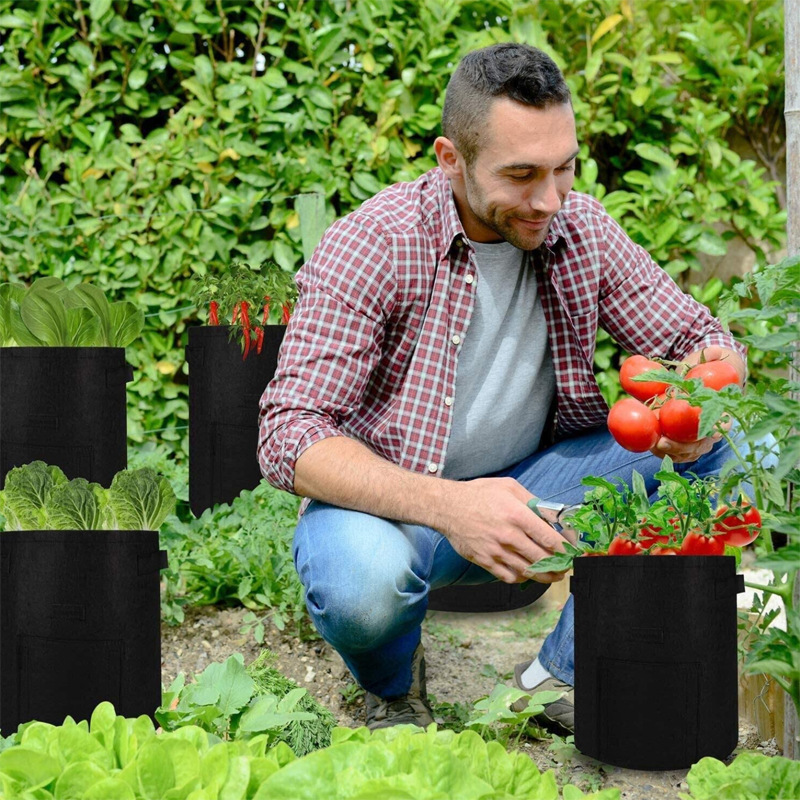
(466, 655)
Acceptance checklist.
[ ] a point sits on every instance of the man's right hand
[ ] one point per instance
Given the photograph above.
(488, 522)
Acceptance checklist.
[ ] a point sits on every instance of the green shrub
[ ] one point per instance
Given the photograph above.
(146, 141)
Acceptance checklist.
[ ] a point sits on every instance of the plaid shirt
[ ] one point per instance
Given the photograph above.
(371, 351)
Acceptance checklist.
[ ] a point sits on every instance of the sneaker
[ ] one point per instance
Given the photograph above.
(558, 716)
(410, 709)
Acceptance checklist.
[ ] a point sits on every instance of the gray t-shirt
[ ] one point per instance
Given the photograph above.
(505, 381)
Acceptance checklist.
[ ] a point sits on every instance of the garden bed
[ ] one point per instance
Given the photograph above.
(467, 655)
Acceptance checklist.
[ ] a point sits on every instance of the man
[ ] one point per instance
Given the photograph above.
(437, 326)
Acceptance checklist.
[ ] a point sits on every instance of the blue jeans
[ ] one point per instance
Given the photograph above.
(367, 579)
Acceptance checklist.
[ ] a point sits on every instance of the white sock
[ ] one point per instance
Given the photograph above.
(534, 675)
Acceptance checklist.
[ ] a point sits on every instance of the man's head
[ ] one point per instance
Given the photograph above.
(518, 72)
(509, 144)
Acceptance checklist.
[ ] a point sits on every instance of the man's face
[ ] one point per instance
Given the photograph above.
(521, 176)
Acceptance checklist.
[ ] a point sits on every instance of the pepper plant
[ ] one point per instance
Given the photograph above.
(251, 297)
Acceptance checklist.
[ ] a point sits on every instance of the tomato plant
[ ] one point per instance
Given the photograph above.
(697, 543)
(633, 425)
(739, 525)
(641, 390)
(714, 374)
(679, 420)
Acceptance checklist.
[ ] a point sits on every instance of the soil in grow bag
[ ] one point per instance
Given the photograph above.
(485, 597)
(79, 624)
(65, 406)
(656, 677)
(224, 391)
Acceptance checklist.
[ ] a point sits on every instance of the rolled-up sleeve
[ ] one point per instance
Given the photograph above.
(331, 346)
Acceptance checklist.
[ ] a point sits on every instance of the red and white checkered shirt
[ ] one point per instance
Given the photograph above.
(371, 350)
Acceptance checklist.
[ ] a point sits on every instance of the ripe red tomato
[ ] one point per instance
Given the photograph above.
(622, 546)
(633, 425)
(738, 529)
(641, 390)
(665, 551)
(714, 374)
(696, 543)
(679, 421)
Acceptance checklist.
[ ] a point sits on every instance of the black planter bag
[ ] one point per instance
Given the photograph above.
(65, 406)
(224, 391)
(656, 679)
(79, 624)
(485, 597)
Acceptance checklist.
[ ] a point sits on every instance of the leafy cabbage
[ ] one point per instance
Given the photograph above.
(26, 490)
(39, 497)
(75, 505)
(140, 499)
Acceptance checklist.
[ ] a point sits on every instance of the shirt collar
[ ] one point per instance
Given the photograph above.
(452, 227)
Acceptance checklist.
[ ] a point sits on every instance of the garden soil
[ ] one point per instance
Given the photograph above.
(466, 656)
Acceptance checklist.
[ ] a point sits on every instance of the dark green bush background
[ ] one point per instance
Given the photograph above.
(145, 141)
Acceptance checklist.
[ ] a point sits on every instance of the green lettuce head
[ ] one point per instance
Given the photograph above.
(140, 499)
(25, 494)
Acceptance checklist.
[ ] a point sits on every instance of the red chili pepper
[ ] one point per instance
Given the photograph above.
(235, 313)
(259, 340)
(287, 312)
(246, 327)
(266, 309)
(213, 318)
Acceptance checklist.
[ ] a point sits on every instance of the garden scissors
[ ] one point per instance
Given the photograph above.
(556, 515)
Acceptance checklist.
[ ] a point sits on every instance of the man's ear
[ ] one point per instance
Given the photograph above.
(449, 158)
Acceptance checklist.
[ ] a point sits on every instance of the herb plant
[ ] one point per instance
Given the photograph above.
(234, 701)
(50, 314)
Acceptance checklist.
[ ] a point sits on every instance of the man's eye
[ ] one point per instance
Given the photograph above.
(566, 168)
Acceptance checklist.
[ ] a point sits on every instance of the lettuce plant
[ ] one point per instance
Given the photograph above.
(38, 496)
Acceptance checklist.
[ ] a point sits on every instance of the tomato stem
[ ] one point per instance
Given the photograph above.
(784, 591)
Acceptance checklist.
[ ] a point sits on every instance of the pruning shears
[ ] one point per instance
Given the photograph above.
(556, 515)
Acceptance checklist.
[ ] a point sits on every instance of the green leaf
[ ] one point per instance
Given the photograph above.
(97, 8)
(652, 153)
(44, 315)
(83, 328)
(94, 299)
(126, 322)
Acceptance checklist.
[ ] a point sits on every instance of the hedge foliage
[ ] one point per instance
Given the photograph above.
(146, 141)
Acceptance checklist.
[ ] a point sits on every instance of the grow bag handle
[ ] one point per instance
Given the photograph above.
(152, 562)
(727, 587)
(119, 375)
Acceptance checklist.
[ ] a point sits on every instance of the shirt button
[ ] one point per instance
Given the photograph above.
(469, 279)
(448, 401)
(456, 339)
(459, 242)
(433, 467)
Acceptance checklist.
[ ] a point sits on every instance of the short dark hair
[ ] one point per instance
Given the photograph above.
(519, 72)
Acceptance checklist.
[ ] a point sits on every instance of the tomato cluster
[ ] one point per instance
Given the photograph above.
(735, 526)
(654, 409)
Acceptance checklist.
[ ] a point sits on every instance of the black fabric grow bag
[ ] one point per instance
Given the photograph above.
(79, 624)
(656, 680)
(484, 597)
(224, 391)
(65, 406)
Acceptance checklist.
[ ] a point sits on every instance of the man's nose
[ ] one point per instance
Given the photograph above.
(544, 197)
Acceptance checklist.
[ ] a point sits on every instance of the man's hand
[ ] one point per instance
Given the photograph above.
(681, 452)
(488, 522)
